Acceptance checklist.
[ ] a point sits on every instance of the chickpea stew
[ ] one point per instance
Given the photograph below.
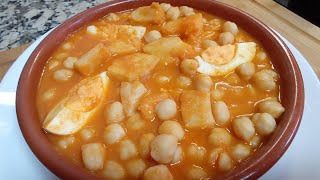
(159, 92)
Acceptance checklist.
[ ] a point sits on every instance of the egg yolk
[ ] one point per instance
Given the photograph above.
(219, 55)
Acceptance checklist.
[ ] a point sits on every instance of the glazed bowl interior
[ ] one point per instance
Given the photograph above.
(292, 92)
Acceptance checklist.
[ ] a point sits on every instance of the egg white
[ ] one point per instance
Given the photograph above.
(245, 52)
(62, 120)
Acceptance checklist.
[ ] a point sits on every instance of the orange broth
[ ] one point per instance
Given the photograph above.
(240, 97)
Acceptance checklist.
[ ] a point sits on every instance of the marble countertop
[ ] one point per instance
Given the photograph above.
(22, 21)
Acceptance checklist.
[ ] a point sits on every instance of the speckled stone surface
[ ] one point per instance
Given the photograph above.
(22, 21)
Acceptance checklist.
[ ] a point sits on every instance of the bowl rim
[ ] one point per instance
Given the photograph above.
(60, 165)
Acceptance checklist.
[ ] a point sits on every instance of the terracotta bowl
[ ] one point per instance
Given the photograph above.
(292, 91)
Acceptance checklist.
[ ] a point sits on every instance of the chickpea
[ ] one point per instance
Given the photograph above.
(113, 17)
(220, 112)
(173, 13)
(135, 122)
(152, 36)
(225, 38)
(92, 30)
(173, 128)
(224, 162)
(261, 56)
(48, 94)
(144, 144)
(186, 11)
(66, 142)
(189, 67)
(203, 82)
(272, 99)
(127, 149)
(246, 70)
(272, 107)
(264, 81)
(264, 123)
(208, 43)
(216, 95)
(62, 75)
(136, 167)
(93, 155)
(196, 172)
(214, 155)
(114, 113)
(243, 128)
(69, 62)
(165, 6)
(177, 155)
(271, 73)
(196, 153)
(255, 141)
(113, 170)
(163, 148)
(240, 152)
(86, 133)
(184, 82)
(158, 172)
(220, 137)
(230, 27)
(113, 133)
(166, 109)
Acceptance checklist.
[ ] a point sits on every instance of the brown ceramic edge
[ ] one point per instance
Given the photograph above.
(24, 129)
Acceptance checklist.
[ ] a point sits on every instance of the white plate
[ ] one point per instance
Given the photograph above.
(300, 161)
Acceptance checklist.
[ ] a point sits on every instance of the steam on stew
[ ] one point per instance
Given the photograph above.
(159, 92)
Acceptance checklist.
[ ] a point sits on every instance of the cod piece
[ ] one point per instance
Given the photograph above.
(90, 61)
(122, 32)
(196, 109)
(170, 47)
(149, 14)
(132, 67)
(118, 47)
(130, 94)
(122, 39)
(187, 26)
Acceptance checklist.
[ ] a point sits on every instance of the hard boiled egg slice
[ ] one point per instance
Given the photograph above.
(219, 61)
(81, 103)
